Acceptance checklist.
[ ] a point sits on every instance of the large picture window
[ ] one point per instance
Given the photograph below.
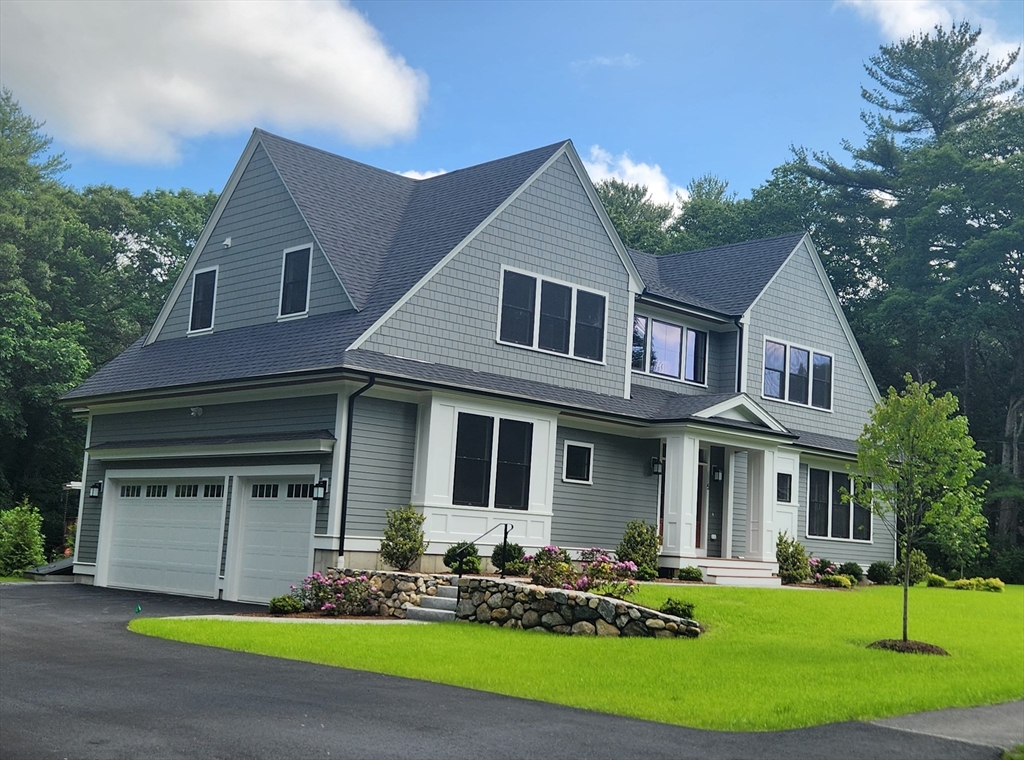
(551, 316)
(798, 375)
(668, 350)
(482, 440)
(295, 282)
(828, 516)
(204, 288)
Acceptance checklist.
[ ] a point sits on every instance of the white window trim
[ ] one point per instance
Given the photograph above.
(810, 377)
(493, 475)
(830, 537)
(536, 316)
(565, 454)
(309, 280)
(792, 482)
(192, 301)
(682, 352)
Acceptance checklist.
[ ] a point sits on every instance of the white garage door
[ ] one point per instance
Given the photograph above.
(166, 536)
(277, 533)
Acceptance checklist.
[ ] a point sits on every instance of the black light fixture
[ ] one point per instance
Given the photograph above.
(716, 472)
(657, 466)
(320, 490)
(95, 490)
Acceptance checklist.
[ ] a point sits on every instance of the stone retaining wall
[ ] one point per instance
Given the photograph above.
(396, 592)
(572, 613)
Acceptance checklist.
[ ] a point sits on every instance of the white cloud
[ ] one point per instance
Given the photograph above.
(132, 80)
(625, 61)
(899, 19)
(603, 165)
(413, 174)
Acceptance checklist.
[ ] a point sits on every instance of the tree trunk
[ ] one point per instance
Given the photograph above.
(906, 588)
(1009, 507)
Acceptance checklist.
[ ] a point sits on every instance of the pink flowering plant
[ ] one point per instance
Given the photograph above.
(551, 567)
(335, 595)
(605, 575)
(821, 568)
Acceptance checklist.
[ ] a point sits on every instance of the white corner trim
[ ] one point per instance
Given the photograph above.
(204, 237)
(746, 403)
(565, 457)
(358, 342)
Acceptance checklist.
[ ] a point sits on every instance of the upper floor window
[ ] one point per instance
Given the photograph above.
(797, 375)
(204, 289)
(551, 316)
(480, 442)
(828, 514)
(295, 281)
(670, 350)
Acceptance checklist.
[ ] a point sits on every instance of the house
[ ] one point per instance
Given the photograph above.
(345, 340)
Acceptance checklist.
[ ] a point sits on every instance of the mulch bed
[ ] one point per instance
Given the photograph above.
(908, 647)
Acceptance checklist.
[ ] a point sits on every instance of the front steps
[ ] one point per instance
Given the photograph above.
(435, 609)
(738, 572)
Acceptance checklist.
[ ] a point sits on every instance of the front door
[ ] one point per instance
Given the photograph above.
(716, 500)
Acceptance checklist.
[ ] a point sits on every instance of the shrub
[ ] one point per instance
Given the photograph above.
(21, 539)
(936, 581)
(678, 608)
(792, 559)
(979, 584)
(821, 567)
(551, 567)
(403, 541)
(853, 569)
(504, 556)
(835, 581)
(285, 605)
(469, 562)
(880, 572)
(690, 573)
(602, 574)
(640, 545)
(334, 595)
(918, 568)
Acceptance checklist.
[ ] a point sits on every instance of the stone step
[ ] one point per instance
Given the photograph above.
(739, 572)
(747, 564)
(438, 603)
(734, 580)
(448, 592)
(429, 615)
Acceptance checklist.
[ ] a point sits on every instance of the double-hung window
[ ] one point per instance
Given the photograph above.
(828, 515)
(551, 316)
(204, 290)
(798, 375)
(492, 462)
(668, 350)
(295, 282)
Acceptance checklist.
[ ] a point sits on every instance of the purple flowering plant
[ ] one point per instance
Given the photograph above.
(335, 595)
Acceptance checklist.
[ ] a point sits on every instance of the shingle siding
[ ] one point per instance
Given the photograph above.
(383, 449)
(262, 221)
(583, 515)
(796, 308)
(551, 229)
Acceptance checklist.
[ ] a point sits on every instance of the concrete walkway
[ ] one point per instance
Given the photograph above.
(990, 726)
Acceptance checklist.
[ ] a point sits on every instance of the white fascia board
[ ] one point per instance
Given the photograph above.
(747, 404)
(636, 282)
(305, 446)
(204, 237)
(456, 250)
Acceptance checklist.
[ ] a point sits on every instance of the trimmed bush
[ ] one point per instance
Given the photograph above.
(936, 581)
(21, 539)
(919, 568)
(836, 581)
(285, 605)
(505, 555)
(880, 572)
(403, 541)
(852, 569)
(979, 584)
(792, 559)
(640, 545)
(468, 563)
(678, 608)
(690, 573)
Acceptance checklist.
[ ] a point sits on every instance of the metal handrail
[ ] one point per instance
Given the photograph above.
(460, 555)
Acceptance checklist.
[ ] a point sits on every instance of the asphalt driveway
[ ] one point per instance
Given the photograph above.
(74, 683)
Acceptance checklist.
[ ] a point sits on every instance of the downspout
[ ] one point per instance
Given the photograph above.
(346, 470)
(739, 354)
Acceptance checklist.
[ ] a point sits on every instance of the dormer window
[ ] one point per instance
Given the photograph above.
(204, 290)
(295, 282)
(798, 375)
(668, 350)
(570, 320)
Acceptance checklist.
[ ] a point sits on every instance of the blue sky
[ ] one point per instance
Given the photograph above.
(149, 95)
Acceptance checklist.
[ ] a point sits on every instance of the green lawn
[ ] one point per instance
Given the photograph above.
(771, 659)
(13, 579)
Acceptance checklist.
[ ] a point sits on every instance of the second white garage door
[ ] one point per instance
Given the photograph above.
(276, 542)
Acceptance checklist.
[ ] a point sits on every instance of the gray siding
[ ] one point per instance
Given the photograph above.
(583, 515)
(551, 229)
(383, 447)
(881, 547)
(262, 221)
(245, 418)
(722, 362)
(739, 505)
(796, 308)
(89, 530)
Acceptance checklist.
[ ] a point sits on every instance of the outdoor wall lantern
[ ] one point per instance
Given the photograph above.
(657, 466)
(716, 472)
(320, 490)
(95, 490)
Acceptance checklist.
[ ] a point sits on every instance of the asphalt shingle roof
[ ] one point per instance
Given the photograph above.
(725, 279)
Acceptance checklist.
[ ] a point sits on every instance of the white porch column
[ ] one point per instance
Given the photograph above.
(681, 454)
(761, 504)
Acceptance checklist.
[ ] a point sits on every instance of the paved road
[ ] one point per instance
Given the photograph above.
(74, 683)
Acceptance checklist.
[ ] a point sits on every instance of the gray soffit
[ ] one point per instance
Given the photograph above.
(825, 443)
(215, 440)
(725, 280)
